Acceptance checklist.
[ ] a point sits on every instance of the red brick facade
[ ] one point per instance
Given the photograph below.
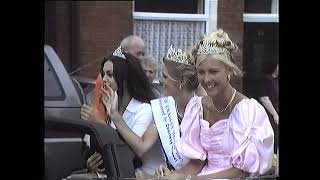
(230, 19)
(83, 32)
(103, 24)
(57, 29)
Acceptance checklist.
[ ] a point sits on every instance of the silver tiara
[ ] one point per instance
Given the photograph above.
(118, 53)
(207, 48)
(177, 55)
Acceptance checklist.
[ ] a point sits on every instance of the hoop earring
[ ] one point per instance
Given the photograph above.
(229, 77)
(180, 87)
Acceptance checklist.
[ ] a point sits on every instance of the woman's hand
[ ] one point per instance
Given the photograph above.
(110, 101)
(86, 112)
(93, 163)
(161, 171)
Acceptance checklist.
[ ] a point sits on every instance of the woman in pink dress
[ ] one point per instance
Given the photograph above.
(225, 134)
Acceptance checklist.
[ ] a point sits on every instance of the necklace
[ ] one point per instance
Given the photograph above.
(223, 110)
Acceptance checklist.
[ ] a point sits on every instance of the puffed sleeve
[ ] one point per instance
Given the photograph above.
(142, 119)
(189, 144)
(253, 135)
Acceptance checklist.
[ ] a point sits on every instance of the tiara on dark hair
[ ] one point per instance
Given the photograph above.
(119, 53)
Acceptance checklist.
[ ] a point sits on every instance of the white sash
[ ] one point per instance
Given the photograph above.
(166, 120)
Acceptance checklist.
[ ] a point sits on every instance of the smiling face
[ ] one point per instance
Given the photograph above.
(212, 74)
(170, 86)
(108, 75)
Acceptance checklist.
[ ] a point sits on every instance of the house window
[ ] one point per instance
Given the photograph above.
(161, 23)
(261, 6)
(261, 11)
(257, 6)
(169, 6)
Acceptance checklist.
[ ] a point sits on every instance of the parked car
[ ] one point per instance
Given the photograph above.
(64, 141)
(63, 94)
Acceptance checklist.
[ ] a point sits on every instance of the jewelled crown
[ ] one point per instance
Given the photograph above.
(209, 48)
(177, 55)
(119, 53)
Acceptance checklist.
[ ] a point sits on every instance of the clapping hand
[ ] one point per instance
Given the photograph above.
(110, 101)
(86, 112)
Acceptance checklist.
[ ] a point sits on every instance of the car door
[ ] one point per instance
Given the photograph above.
(64, 155)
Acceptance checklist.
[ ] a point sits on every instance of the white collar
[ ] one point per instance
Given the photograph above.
(133, 105)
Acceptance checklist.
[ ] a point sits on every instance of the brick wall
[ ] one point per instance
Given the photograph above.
(57, 30)
(103, 24)
(230, 19)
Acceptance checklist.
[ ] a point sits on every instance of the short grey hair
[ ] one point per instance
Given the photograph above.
(148, 60)
(128, 41)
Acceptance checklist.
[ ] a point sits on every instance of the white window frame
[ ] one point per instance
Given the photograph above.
(210, 7)
(263, 17)
(260, 17)
(170, 16)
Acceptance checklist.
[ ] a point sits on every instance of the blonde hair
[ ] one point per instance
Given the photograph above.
(180, 71)
(218, 39)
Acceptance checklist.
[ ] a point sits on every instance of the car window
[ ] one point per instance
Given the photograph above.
(52, 86)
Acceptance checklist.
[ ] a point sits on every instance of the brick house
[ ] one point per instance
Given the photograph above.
(82, 32)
